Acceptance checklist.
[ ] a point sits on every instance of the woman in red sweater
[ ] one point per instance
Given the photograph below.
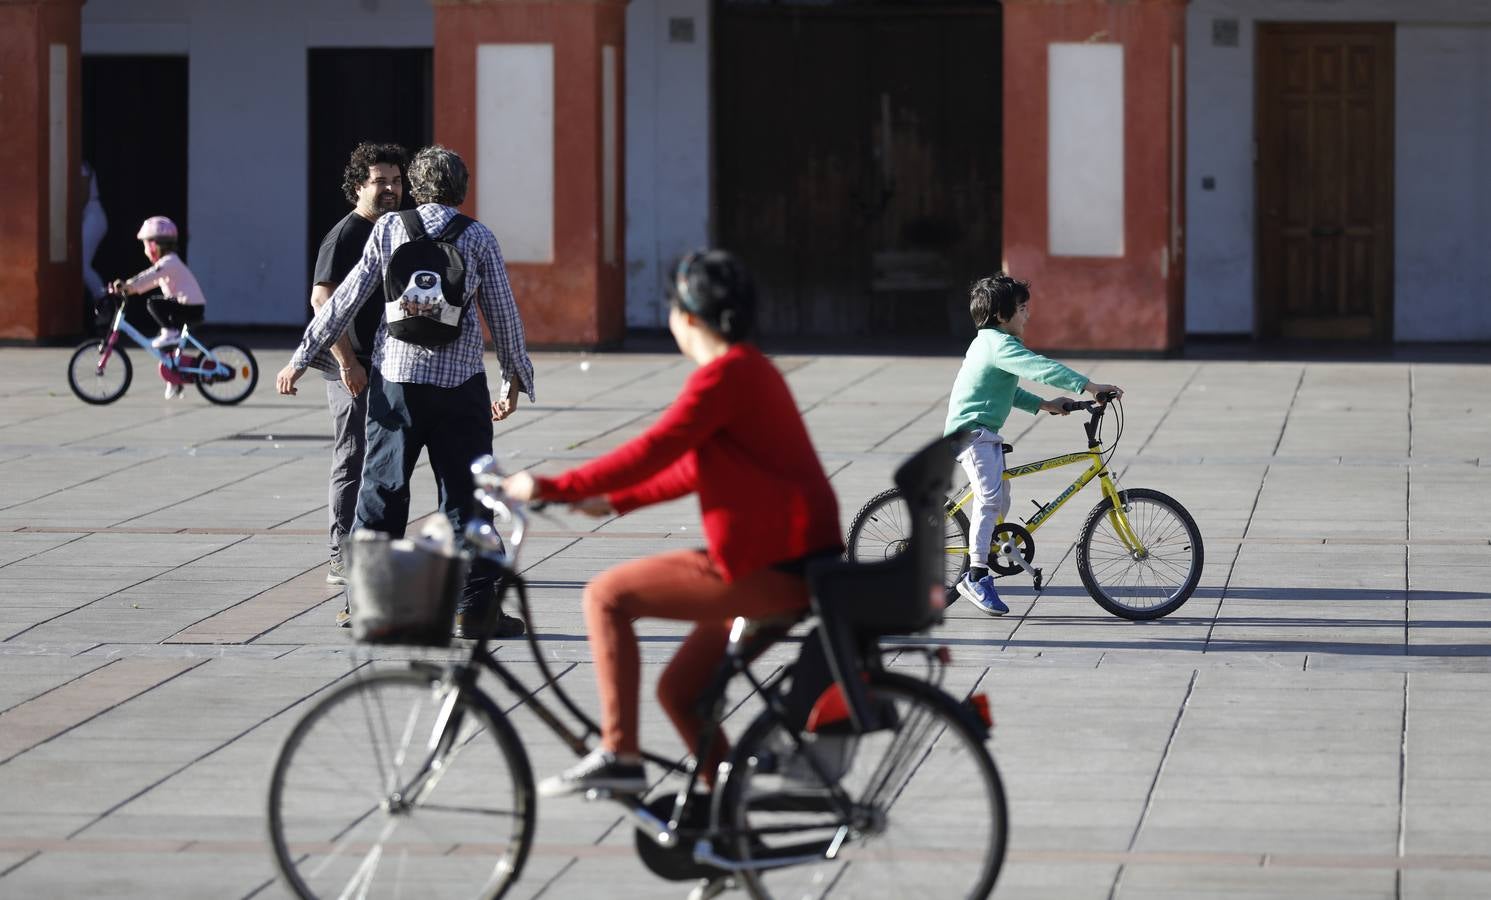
(734, 437)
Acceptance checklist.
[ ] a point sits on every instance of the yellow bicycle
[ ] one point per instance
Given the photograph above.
(1139, 553)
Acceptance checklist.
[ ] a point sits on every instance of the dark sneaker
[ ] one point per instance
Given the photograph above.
(336, 573)
(981, 593)
(507, 627)
(598, 770)
(344, 618)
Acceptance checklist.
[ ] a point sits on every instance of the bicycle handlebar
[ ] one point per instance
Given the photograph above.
(483, 537)
(1102, 400)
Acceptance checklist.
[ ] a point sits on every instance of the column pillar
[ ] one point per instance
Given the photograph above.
(41, 285)
(1094, 205)
(530, 93)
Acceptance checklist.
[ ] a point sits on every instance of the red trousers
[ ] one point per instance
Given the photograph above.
(681, 585)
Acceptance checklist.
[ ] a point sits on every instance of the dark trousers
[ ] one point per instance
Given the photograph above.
(170, 314)
(454, 425)
(349, 416)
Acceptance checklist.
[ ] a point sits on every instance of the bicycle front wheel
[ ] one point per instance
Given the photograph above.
(927, 813)
(1152, 581)
(882, 529)
(233, 379)
(97, 380)
(399, 785)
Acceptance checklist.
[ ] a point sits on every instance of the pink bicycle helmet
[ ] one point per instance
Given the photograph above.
(157, 227)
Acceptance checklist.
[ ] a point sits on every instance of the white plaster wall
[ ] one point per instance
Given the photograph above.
(1434, 48)
(515, 148)
(1084, 172)
(247, 131)
(668, 195)
(1442, 272)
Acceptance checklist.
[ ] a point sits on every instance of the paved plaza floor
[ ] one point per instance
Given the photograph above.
(1315, 722)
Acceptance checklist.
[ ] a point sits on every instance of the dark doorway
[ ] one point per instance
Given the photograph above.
(858, 154)
(135, 136)
(356, 95)
(1325, 181)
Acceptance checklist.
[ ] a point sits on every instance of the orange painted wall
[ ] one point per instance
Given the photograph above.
(578, 300)
(38, 298)
(1133, 302)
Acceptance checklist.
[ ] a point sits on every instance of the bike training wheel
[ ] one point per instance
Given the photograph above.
(370, 797)
(930, 806)
(1135, 587)
(233, 388)
(882, 528)
(93, 385)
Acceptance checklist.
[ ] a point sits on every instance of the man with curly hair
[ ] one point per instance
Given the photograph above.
(374, 184)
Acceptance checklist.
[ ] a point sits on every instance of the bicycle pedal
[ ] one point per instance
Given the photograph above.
(1037, 578)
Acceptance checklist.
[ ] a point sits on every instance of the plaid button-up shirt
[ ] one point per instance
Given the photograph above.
(449, 365)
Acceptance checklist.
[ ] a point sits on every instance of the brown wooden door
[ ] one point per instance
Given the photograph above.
(858, 156)
(1325, 181)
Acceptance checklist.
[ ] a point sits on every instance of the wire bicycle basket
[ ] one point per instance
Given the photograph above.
(403, 591)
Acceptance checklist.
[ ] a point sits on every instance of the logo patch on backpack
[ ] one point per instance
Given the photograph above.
(424, 287)
(423, 297)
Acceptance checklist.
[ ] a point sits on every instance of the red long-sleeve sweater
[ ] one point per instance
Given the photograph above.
(733, 435)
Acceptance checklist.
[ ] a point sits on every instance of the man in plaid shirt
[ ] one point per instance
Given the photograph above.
(431, 398)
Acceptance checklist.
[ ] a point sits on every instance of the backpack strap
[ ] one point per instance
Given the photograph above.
(453, 228)
(413, 224)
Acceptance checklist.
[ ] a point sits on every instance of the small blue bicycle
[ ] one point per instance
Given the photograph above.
(100, 371)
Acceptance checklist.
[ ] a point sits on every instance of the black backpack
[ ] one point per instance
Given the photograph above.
(424, 287)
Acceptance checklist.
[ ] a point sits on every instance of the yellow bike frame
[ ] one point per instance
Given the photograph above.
(1093, 456)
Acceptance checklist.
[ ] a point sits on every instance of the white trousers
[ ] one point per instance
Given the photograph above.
(983, 461)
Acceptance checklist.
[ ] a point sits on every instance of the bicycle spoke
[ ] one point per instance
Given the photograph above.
(469, 810)
(362, 879)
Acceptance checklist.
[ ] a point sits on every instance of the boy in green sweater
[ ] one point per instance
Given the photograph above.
(986, 387)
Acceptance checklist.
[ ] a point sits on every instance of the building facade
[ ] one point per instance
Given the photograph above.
(1157, 168)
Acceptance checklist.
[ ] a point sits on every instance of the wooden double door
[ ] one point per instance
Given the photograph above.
(858, 161)
(1325, 181)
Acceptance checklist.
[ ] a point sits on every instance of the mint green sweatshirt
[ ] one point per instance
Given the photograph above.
(988, 384)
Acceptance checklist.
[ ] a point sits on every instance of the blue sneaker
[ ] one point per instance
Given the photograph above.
(981, 593)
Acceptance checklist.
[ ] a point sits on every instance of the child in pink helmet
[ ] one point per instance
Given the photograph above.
(181, 301)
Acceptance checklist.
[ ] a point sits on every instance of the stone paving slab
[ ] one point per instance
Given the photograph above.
(1313, 723)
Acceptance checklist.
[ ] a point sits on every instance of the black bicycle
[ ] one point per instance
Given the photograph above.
(860, 777)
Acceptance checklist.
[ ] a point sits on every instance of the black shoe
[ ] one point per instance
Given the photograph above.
(507, 627)
(597, 770)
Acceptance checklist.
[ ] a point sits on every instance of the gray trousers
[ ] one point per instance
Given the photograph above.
(983, 462)
(349, 418)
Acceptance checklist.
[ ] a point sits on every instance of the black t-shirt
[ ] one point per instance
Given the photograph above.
(340, 251)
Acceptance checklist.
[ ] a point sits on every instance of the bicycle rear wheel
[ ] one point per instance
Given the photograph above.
(396, 785)
(235, 380)
(1148, 584)
(882, 528)
(96, 381)
(928, 817)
